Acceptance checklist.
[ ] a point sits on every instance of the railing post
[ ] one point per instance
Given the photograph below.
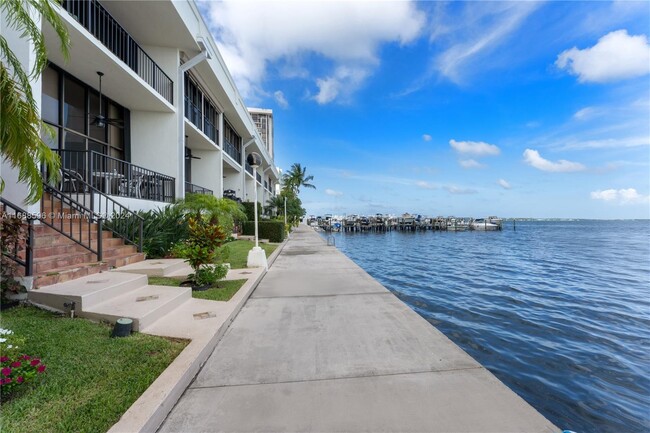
(100, 252)
(29, 252)
(140, 236)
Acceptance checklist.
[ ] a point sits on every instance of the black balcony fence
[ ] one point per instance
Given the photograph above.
(232, 150)
(113, 176)
(259, 178)
(249, 169)
(195, 189)
(92, 15)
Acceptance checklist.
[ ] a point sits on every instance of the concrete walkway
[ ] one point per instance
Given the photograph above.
(323, 347)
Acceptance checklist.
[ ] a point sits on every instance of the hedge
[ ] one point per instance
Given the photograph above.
(271, 230)
(249, 209)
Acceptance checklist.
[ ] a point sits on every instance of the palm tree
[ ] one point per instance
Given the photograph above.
(21, 143)
(296, 178)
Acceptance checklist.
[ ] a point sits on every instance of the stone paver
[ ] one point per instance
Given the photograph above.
(322, 347)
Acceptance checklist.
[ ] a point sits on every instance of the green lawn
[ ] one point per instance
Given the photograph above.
(91, 379)
(222, 291)
(238, 252)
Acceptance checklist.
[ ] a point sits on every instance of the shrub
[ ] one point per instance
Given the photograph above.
(15, 369)
(271, 230)
(13, 238)
(208, 274)
(249, 208)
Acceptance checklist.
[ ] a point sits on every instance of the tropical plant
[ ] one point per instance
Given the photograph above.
(296, 178)
(13, 240)
(15, 369)
(222, 211)
(21, 142)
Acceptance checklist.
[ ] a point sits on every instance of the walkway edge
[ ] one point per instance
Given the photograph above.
(149, 411)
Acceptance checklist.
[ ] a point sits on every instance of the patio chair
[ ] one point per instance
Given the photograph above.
(132, 187)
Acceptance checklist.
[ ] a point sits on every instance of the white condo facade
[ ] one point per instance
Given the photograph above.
(170, 120)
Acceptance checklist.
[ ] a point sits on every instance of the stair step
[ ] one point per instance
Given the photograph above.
(144, 305)
(68, 273)
(88, 291)
(156, 267)
(46, 264)
(65, 245)
(118, 262)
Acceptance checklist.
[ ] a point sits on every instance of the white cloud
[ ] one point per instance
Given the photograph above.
(607, 143)
(534, 159)
(477, 30)
(504, 184)
(425, 185)
(585, 113)
(621, 196)
(343, 82)
(477, 148)
(333, 193)
(470, 163)
(426, 137)
(278, 95)
(453, 189)
(252, 36)
(616, 56)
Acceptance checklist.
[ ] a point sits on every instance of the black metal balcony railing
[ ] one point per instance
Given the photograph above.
(259, 178)
(92, 15)
(249, 169)
(266, 185)
(195, 189)
(113, 176)
(231, 150)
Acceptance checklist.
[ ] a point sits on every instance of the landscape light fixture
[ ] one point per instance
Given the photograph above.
(256, 256)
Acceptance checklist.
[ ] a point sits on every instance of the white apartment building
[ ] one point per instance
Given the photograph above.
(169, 119)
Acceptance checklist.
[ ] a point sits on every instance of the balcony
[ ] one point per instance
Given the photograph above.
(232, 150)
(249, 169)
(113, 176)
(195, 189)
(259, 178)
(94, 18)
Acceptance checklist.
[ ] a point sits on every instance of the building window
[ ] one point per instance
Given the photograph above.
(232, 142)
(200, 110)
(70, 107)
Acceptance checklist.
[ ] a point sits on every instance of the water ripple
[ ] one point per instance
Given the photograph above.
(559, 311)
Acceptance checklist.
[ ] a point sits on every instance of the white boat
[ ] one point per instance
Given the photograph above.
(457, 225)
(483, 224)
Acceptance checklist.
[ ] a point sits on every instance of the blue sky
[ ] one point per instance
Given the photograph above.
(517, 109)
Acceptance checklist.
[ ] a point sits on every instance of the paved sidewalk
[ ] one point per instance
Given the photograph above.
(323, 347)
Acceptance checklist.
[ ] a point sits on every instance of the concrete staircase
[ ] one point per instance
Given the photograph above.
(111, 295)
(58, 259)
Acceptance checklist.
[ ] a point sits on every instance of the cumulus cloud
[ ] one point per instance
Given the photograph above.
(504, 184)
(278, 95)
(333, 193)
(344, 81)
(477, 148)
(426, 137)
(252, 36)
(620, 196)
(616, 56)
(470, 163)
(534, 159)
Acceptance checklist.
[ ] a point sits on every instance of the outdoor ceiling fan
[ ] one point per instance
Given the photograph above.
(100, 120)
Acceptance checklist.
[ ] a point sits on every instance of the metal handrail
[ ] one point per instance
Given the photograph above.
(134, 181)
(232, 150)
(98, 21)
(56, 219)
(28, 261)
(115, 217)
(196, 189)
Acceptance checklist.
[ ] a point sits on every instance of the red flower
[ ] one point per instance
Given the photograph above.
(16, 364)
(7, 380)
(26, 357)
(41, 368)
(35, 362)
(6, 371)
(2, 381)
(4, 359)
(20, 379)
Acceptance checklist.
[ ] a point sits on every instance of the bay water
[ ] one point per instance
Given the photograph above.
(557, 310)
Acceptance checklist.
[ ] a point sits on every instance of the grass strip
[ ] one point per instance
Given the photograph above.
(238, 252)
(222, 291)
(91, 379)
